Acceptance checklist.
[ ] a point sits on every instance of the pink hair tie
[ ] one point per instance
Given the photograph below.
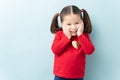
(81, 10)
(58, 14)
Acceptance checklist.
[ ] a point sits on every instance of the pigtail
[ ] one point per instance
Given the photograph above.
(87, 22)
(54, 24)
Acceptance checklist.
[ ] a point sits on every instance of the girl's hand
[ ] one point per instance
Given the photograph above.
(67, 32)
(80, 29)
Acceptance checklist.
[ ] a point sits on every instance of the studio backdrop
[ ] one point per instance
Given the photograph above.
(25, 38)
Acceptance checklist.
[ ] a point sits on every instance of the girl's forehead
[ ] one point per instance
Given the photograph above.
(71, 17)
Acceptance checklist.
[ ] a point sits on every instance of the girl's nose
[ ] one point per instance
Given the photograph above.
(72, 26)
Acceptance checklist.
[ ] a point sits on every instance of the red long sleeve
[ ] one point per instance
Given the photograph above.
(86, 43)
(59, 44)
(68, 61)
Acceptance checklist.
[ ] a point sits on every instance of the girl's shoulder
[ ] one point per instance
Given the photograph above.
(60, 32)
(87, 35)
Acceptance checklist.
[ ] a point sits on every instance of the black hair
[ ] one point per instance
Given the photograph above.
(68, 10)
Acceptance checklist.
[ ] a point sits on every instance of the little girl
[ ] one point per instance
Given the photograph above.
(71, 43)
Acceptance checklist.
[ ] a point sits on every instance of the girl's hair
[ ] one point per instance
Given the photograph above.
(68, 10)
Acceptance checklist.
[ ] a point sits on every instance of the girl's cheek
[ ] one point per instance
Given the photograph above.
(68, 27)
(77, 26)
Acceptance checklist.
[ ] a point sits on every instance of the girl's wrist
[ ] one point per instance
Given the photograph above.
(69, 37)
(79, 34)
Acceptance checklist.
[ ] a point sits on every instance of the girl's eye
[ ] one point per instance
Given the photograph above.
(68, 24)
(76, 23)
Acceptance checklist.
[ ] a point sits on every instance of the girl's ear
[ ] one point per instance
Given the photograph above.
(62, 24)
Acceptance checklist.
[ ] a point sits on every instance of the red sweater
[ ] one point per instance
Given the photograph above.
(68, 61)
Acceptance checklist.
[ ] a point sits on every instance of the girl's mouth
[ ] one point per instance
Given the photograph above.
(73, 33)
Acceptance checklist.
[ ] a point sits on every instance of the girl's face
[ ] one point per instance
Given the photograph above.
(72, 23)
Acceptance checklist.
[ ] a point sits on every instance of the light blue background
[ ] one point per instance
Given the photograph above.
(25, 38)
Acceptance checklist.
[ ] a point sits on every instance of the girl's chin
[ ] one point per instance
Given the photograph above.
(73, 34)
